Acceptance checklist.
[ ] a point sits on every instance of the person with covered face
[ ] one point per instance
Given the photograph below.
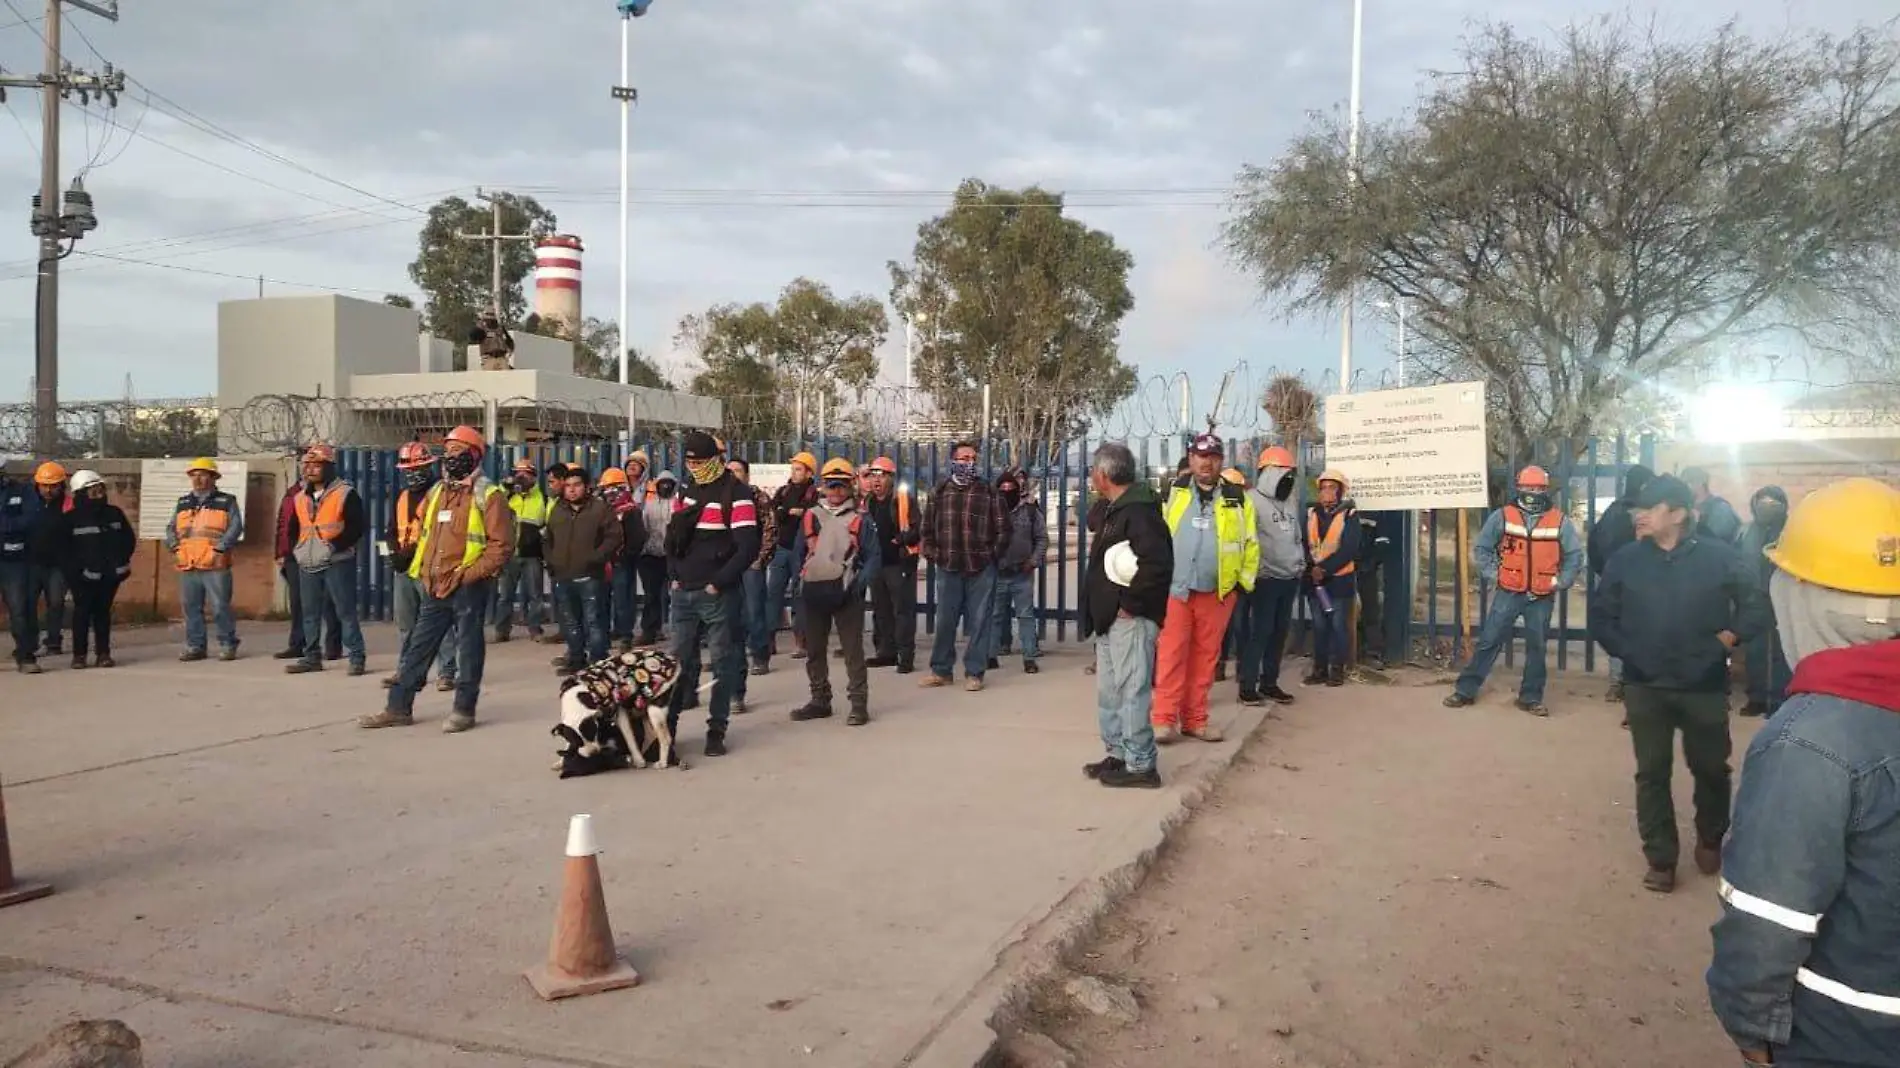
(1266, 611)
(711, 539)
(656, 594)
(93, 544)
(524, 574)
(1763, 660)
(790, 502)
(1016, 570)
(838, 549)
(1805, 970)
(1528, 554)
(416, 471)
(965, 531)
(1216, 559)
(1671, 606)
(1332, 545)
(330, 525)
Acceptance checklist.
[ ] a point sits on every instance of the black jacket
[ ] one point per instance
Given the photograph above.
(704, 545)
(1615, 528)
(1134, 517)
(1659, 612)
(92, 543)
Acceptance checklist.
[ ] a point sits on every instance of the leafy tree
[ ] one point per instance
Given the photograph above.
(1008, 292)
(771, 363)
(397, 300)
(455, 273)
(1572, 218)
(1294, 410)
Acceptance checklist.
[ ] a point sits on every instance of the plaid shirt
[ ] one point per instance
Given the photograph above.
(768, 529)
(964, 527)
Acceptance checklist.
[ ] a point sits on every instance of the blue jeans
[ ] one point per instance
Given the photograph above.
(195, 588)
(1124, 688)
(333, 588)
(23, 616)
(520, 578)
(580, 601)
(621, 604)
(694, 612)
(739, 609)
(457, 617)
(1260, 626)
(1330, 647)
(408, 598)
(49, 583)
(1767, 666)
(758, 635)
(1495, 634)
(970, 598)
(332, 629)
(781, 585)
(1015, 599)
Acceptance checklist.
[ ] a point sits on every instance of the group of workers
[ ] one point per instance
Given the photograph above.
(59, 536)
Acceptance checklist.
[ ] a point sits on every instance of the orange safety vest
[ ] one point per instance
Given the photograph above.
(408, 523)
(1530, 555)
(903, 524)
(1327, 543)
(327, 523)
(199, 528)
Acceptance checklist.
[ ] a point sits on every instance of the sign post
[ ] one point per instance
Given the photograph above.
(12, 893)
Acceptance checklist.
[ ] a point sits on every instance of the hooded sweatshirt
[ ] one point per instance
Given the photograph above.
(1279, 527)
(1760, 533)
(1811, 872)
(1616, 528)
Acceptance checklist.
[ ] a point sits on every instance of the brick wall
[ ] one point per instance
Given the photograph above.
(152, 588)
(1799, 467)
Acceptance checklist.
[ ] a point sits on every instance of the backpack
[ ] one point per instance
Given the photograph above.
(824, 591)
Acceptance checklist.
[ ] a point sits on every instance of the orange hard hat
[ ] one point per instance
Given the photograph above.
(613, 476)
(412, 455)
(469, 436)
(884, 464)
(1276, 456)
(1534, 477)
(49, 474)
(525, 464)
(319, 454)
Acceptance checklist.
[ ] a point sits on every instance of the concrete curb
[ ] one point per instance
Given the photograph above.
(968, 1034)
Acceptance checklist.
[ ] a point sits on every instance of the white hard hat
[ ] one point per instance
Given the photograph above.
(83, 479)
(1119, 563)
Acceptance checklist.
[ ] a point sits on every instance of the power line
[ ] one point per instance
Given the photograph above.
(229, 274)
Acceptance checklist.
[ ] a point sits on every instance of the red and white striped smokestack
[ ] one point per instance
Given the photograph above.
(557, 279)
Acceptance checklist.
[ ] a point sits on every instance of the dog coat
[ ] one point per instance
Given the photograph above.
(633, 680)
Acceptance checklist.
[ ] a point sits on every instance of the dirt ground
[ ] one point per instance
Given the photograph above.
(1399, 883)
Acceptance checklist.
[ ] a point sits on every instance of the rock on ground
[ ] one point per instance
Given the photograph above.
(85, 1044)
(1104, 999)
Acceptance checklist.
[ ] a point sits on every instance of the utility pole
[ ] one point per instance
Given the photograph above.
(53, 222)
(1352, 183)
(494, 237)
(627, 95)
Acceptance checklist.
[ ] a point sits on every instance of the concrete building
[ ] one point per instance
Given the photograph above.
(329, 368)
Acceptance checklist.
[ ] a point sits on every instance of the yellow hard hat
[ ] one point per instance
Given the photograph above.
(1233, 477)
(837, 467)
(203, 463)
(1845, 536)
(1332, 474)
(809, 461)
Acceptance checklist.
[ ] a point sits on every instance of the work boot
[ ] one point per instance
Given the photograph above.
(1315, 677)
(53, 647)
(390, 680)
(1336, 675)
(933, 680)
(859, 716)
(1277, 695)
(904, 667)
(445, 684)
(193, 655)
(302, 667)
(738, 706)
(1106, 764)
(1167, 735)
(558, 661)
(881, 662)
(1535, 708)
(551, 639)
(1122, 778)
(79, 661)
(458, 722)
(798, 647)
(974, 684)
(1088, 668)
(1030, 668)
(716, 744)
(760, 666)
(287, 654)
(1614, 695)
(1708, 857)
(30, 667)
(228, 653)
(1458, 700)
(1207, 733)
(357, 668)
(1660, 880)
(1220, 671)
(814, 710)
(378, 720)
(338, 655)
(502, 636)
(1251, 697)
(104, 660)
(993, 664)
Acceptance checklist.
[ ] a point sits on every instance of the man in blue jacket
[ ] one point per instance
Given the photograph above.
(1806, 969)
(1671, 606)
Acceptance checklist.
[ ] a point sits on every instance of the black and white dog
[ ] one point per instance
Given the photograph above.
(598, 713)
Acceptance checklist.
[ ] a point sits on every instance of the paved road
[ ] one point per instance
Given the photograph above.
(247, 879)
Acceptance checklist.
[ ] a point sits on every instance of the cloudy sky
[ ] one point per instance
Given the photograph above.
(773, 139)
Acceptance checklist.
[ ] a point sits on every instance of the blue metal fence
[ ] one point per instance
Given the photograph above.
(1412, 611)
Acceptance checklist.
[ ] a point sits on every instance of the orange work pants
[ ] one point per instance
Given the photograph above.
(1185, 658)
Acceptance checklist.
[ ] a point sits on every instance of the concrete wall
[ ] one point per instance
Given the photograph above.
(152, 589)
(536, 353)
(276, 345)
(1799, 467)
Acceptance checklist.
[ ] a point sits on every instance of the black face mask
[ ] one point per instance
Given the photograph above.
(1283, 489)
(1770, 512)
(1534, 502)
(1011, 497)
(664, 489)
(460, 466)
(417, 479)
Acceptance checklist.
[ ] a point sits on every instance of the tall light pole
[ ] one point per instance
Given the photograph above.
(1352, 181)
(1397, 306)
(624, 92)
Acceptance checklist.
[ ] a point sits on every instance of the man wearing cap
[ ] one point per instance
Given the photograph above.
(205, 527)
(1016, 569)
(894, 515)
(965, 531)
(468, 534)
(1268, 609)
(1714, 516)
(790, 502)
(1124, 600)
(330, 525)
(1528, 554)
(1216, 560)
(523, 575)
(1805, 970)
(711, 538)
(1671, 606)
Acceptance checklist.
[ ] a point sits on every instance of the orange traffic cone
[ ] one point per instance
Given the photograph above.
(581, 958)
(12, 893)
